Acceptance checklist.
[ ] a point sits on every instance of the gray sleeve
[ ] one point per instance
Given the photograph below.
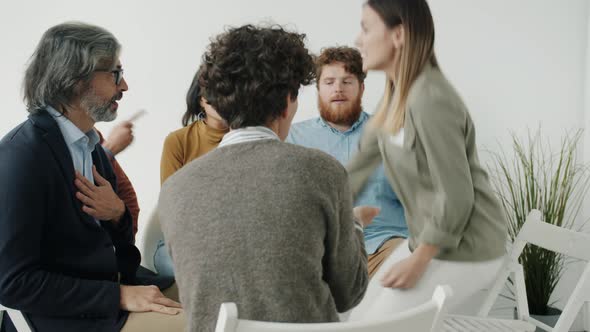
(345, 261)
(440, 128)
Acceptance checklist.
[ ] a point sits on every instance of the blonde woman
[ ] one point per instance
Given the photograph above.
(424, 135)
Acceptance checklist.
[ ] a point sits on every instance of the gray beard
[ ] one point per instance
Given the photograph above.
(97, 111)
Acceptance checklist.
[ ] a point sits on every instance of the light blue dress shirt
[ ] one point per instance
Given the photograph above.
(391, 221)
(81, 145)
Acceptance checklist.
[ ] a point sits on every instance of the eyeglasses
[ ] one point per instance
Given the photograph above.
(117, 74)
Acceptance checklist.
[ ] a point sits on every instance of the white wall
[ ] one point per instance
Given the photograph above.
(518, 64)
(162, 47)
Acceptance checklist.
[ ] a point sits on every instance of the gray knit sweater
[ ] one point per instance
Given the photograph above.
(267, 225)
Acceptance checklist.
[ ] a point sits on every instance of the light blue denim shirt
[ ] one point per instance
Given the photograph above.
(81, 145)
(391, 222)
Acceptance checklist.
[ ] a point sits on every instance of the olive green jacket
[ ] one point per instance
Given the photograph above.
(446, 194)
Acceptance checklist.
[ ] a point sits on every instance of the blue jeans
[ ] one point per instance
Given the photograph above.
(163, 261)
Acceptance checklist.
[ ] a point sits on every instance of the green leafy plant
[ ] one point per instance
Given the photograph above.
(532, 176)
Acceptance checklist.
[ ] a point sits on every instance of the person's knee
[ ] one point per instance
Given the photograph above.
(163, 262)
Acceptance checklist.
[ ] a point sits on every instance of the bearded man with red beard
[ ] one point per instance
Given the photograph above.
(337, 131)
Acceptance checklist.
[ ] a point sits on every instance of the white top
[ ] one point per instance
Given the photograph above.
(247, 134)
(398, 139)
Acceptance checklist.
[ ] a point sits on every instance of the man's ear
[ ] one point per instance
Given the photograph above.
(80, 87)
(362, 89)
(284, 113)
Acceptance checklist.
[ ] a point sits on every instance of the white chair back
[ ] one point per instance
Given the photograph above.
(17, 318)
(553, 238)
(424, 318)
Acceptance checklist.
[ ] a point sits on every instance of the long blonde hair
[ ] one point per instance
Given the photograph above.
(410, 59)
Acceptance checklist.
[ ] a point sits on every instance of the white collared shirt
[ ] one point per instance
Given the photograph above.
(81, 145)
(248, 134)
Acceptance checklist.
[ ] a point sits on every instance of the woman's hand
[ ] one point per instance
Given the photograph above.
(406, 273)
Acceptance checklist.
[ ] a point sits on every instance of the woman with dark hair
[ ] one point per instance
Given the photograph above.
(425, 137)
(203, 130)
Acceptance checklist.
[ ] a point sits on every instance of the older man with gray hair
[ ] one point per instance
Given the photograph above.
(67, 258)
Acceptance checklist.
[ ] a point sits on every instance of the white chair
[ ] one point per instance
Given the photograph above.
(550, 237)
(151, 235)
(17, 318)
(424, 318)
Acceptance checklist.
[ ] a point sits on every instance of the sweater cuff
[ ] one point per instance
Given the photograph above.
(109, 153)
(358, 224)
(433, 235)
(358, 227)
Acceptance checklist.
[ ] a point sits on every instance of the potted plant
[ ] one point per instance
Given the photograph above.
(533, 176)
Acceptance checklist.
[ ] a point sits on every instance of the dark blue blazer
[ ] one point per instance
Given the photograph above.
(57, 265)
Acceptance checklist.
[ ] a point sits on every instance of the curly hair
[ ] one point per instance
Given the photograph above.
(350, 57)
(250, 71)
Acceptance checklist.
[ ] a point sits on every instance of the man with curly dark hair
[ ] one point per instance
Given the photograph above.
(259, 222)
